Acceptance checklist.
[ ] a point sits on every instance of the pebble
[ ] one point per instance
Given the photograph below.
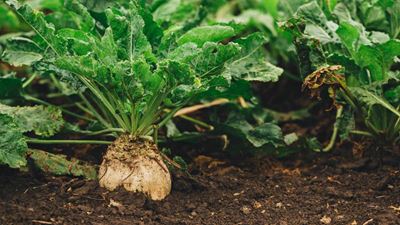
(257, 205)
(245, 209)
(326, 220)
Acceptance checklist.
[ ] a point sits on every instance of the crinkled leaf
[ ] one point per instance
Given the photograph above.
(349, 36)
(127, 30)
(20, 58)
(312, 12)
(257, 17)
(208, 60)
(250, 70)
(106, 49)
(98, 6)
(378, 58)
(85, 22)
(323, 34)
(60, 165)
(78, 42)
(265, 134)
(250, 44)
(44, 121)
(239, 88)
(12, 143)
(176, 12)
(245, 135)
(151, 29)
(250, 65)
(86, 66)
(36, 20)
(371, 99)
(203, 34)
(20, 50)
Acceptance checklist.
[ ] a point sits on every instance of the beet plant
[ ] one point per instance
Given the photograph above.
(352, 48)
(133, 73)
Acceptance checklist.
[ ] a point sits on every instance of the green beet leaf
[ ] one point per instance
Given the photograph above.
(265, 134)
(60, 165)
(370, 99)
(12, 143)
(20, 58)
(203, 34)
(43, 121)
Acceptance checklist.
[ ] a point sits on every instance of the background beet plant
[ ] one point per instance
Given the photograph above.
(353, 48)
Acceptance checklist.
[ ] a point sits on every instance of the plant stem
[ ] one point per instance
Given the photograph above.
(84, 109)
(150, 114)
(106, 131)
(352, 100)
(155, 135)
(168, 117)
(171, 114)
(29, 81)
(198, 122)
(335, 131)
(48, 142)
(361, 132)
(110, 108)
(55, 95)
(397, 124)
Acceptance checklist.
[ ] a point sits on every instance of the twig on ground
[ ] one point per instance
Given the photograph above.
(41, 222)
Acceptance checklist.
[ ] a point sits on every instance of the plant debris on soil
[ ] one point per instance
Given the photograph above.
(326, 191)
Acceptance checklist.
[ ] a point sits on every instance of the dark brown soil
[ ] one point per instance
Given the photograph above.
(325, 192)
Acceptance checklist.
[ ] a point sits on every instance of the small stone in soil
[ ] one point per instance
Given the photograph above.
(326, 220)
(245, 209)
(257, 205)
